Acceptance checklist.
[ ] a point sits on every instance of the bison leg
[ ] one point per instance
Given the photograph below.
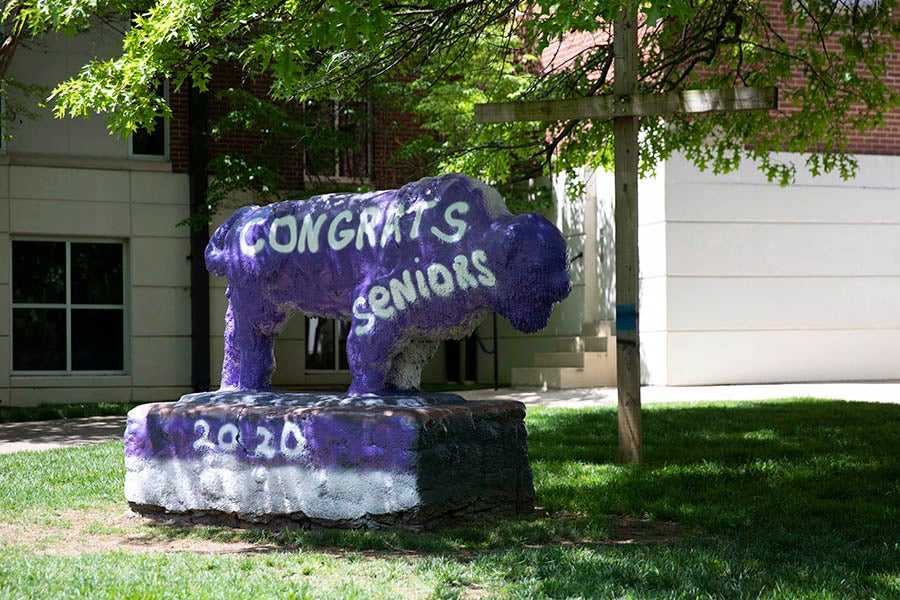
(231, 366)
(406, 368)
(370, 361)
(251, 326)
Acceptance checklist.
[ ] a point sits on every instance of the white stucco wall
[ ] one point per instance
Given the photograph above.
(47, 63)
(70, 180)
(768, 284)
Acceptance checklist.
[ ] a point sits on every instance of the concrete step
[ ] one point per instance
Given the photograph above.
(585, 344)
(558, 359)
(599, 329)
(548, 379)
(560, 378)
(581, 360)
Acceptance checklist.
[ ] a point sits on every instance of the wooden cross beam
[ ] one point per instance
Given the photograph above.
(625, 106)
(642, 105)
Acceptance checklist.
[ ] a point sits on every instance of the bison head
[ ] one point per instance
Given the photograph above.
(535, 272)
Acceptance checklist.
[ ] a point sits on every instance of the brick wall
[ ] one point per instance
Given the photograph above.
(391, 129)
(882, 141)
(226, 76)
(563, 54)
(179, 131)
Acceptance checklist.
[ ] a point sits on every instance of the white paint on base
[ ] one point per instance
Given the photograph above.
(230, 486)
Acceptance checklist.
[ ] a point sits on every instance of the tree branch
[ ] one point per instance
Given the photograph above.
(11, 42)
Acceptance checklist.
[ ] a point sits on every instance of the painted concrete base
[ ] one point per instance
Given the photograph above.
(410, 460)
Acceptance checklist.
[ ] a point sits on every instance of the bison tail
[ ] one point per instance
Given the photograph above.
(217, 250)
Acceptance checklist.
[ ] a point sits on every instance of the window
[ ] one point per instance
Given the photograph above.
(326, 344)
(342, 147)
(153, 144)
(68, 311)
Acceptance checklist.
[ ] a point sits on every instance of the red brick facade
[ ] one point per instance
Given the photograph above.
(391, 129)
(179, 132)
(883, 141)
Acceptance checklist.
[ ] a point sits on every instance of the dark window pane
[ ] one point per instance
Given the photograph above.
(150, 143)
(96, 273)
(39, 272)
(319, 343)
(97, 340)
(353, 132)
(321, 153)
(342, 342)
(39, 339)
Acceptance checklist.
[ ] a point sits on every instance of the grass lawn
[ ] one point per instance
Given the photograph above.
(779, 499)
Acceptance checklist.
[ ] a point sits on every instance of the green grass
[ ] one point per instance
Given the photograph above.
(791, 499)
(47, 412)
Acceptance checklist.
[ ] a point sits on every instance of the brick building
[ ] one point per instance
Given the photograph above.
(742, 280)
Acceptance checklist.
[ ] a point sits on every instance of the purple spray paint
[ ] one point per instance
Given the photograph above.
(407, 267)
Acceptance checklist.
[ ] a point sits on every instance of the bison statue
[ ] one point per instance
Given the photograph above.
(408, 268)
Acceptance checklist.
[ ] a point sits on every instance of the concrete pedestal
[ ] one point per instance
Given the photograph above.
(409, 460)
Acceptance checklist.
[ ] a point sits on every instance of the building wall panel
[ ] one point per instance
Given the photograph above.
(158, 188)
(50, 183)
(54, 395)
(160, 311)
(53, 217)
(160, 262)
(736, 357)
(161, 361)
(771, 284)
(783, 250)
(783, 303)
(155, 220)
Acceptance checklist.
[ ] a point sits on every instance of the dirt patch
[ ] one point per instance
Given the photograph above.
(631, 530)
(73, 533)
(77, 532)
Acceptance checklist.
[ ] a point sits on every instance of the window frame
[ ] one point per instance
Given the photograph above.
(335, 176)
(68, 307)
(166, 155)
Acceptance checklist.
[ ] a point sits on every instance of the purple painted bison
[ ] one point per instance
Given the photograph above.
(407, 267)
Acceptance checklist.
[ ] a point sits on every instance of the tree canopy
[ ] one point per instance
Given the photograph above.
(830, 59)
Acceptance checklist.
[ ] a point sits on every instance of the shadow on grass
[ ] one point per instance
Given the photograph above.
(793, 498)
(771, 499)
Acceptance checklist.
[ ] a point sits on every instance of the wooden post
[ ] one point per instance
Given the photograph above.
(625, 106)
(627, 283)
